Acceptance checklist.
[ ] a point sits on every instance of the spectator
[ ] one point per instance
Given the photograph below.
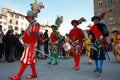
(1, 43)
(46, 38)
(54, 40)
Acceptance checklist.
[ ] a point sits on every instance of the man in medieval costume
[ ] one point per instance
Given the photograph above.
(54, 42)
(115, 44)
(99, 46)
(76, 39)
(88, 47)
(29, 39)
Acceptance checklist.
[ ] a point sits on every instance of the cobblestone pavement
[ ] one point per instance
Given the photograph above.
(64, 71)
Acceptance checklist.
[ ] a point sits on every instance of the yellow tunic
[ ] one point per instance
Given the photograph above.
(67, 39)
(88, 48)
(115, 42)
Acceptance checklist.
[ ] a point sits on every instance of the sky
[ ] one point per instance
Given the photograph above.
(69, 9)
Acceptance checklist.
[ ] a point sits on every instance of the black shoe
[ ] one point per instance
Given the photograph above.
(55, 64)
(49, 63)
(89, 63)
(0, 61)
(96, 70)
(100, 71)
(12, 60)
(9, 61)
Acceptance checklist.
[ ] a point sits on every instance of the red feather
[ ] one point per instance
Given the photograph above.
(101, 16)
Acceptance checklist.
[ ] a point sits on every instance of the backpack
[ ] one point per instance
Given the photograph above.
(105, 31)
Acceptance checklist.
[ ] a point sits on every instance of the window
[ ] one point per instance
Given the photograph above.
(10, 20)
(5, 18)
(11, 14)
(0, 17)
(26, 24)
(102, 21)
(16, 28)
(111, 21)
(100, 11)
(0, 22)
(21, 23)
(118, 1)
(10, 27)
(16, 16)
(16, 22)
(100, 4)
(5, 23)
(22, 18)
(119, 20)
(110, 2)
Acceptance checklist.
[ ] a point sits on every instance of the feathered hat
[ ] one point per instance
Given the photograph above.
(101, 16)
(59, 21)
(79, 21)
(35, 9)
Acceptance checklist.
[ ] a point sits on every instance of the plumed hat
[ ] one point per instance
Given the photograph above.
(35, 9)
(79, 21)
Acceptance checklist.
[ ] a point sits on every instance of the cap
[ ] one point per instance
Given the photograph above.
(95, 17)
(54, 26)
(74, 21)
(29, 13)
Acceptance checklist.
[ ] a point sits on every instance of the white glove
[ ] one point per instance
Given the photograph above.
(21, 41)
(101, 37)
(56, 42)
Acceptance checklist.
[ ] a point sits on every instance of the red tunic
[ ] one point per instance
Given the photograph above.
(28, 56)
(53, 38)
(77, 34)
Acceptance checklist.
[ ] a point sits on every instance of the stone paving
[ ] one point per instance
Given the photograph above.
(64, 71)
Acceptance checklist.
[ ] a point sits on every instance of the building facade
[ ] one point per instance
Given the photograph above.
(112, 9)
(10, 19)
(3, 22)
(15, 20)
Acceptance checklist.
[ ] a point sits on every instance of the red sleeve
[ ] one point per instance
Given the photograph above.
(96, 31)
(29, 38)
(71, 35)
(80, 35)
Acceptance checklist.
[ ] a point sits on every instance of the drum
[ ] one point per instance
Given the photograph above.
(67, 46)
